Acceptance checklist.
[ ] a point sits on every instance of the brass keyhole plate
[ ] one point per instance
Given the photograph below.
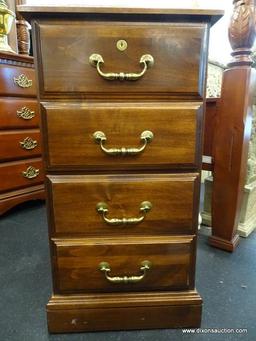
(121, 45)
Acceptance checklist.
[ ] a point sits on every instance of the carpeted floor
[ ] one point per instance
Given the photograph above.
(227, 283)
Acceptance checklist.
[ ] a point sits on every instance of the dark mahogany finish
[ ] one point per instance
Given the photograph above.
(170, 260)
(75, 102)
(174, 144)
(19, 119)
(233, 129)
(10, 117)
(172, 198)
(158, 39)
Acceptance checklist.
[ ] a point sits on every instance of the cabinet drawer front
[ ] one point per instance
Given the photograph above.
(18, 113)
(15, 175)
(15, 145)
(71, 129)
(177, 50)
(17, 81)
(169, 263)
(75, 199)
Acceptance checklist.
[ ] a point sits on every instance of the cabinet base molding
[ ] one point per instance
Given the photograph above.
(224, 244)
(124, 311)
(11, 199)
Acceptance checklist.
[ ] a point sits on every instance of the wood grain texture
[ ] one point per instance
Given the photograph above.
(14, 128)
(188, 12)
(232, 137)
(11, 149)
(75, 102)
(151, 310)
(170, 259)
(7, 85)
(175, 48)
(175, 143)
(233, 129)
(8, 113)
(172, 197)
(13, 198)
(17, 59)
(12, 178)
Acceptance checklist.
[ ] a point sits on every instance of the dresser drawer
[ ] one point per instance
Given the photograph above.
(167, 131)
(15, 175)
(78, 204)
(157, 264)
(18, 113)
(17, 81)
(177, 50)
(19, 144)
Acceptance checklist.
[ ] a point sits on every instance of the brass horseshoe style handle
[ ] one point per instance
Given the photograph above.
(145, 137)
(102, 208)
(105, 267)
(146, 61)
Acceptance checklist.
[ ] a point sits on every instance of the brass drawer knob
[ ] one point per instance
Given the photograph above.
(25, 113)
(145, 137)
(105, 267)
(22, 81)
(28, 143)
(102, 208)
(30, 172)
(96, 60)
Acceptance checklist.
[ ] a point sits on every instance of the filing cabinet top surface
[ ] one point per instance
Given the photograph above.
(191, 8)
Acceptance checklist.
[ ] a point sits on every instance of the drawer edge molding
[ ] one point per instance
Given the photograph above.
(187, 239)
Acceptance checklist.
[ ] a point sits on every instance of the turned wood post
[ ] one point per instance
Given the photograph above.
(23, 28)
(233, 129)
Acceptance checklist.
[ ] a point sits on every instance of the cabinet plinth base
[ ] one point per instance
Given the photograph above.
(98, 312)
(224, 244)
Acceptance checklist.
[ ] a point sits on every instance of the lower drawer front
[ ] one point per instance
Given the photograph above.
(76, 202)
(20, 174)
(17, 145)
(97, 265)
(18, 113)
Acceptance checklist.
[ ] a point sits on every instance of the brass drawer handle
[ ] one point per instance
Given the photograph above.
(105, 267)
(102, 208)
(28, 143)
(23, 81)
(30, 172)
(146, 61)
(145, 137)
(25, 113)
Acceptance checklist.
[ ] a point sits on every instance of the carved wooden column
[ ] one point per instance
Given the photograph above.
(233, 129)
(23, 28)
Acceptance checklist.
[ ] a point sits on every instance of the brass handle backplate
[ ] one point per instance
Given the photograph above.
(97, 60)
(28, 143)
(145, 137)
(102, 208)
(30, 172)
(105, 267)
(22, 81)
(25, 113)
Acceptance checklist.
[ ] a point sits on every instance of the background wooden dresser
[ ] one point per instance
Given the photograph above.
(21, 170)
(122, 99)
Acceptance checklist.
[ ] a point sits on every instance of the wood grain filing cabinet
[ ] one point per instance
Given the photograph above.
(122, 99)
(21, 168)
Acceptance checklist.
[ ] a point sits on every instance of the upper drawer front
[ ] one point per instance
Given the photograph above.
(177, 50)
(15, 175)
(80, 269)
(15, 144)
(18, 113)
(78, 203)
(72, 142)
(17, 81)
